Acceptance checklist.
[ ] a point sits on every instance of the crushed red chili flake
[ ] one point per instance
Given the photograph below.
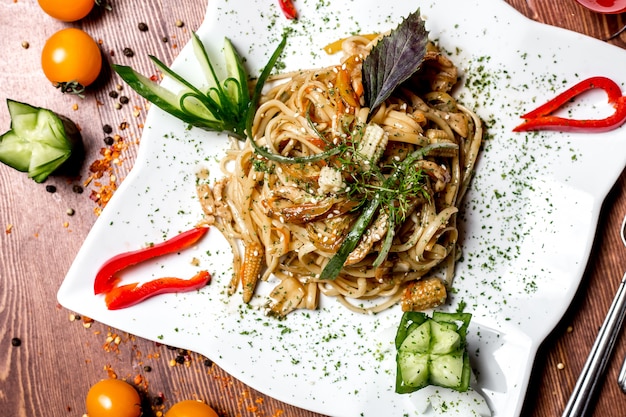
(110, 372)
(106, 167)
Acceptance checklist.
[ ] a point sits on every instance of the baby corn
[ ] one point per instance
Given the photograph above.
(424, 294)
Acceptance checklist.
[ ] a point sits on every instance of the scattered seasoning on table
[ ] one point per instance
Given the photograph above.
(105, 167)
(138, 379)
(180, 23)
(77, 189)
(8, 229)
(70, 211)
(25, 44)
(51, 188)
(560, 365)
(113, 94)
(128, 52)
(124, 100)
(108, 141)
(107, 129)
(164, 39)
(16, 341)
(142, 27)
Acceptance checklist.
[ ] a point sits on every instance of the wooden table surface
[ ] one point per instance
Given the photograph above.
(62, 355)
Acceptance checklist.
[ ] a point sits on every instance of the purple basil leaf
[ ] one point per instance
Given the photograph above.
(394, 59)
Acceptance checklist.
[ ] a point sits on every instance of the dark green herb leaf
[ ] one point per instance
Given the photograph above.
(394, 59)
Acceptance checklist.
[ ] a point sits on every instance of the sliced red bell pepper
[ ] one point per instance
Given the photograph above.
(289, 10)
(542, 119)
(106, 277)
(131, 294)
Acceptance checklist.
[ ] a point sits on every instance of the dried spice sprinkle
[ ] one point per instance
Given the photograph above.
(103, 167)
(51, 188)
(128, 52)
(16, 341)
(142, 27)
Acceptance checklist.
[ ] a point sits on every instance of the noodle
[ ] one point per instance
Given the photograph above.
(285, 221)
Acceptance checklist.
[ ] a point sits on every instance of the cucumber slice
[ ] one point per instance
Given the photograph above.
(418, 340)
(223, 104)
(416, 367)
(444, 338)
(39, 142)
(446, 370)
(15, 151)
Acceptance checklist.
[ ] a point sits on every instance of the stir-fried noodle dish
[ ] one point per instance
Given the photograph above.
(390, 179)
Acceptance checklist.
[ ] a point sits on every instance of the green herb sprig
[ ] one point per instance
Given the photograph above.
(388, 194)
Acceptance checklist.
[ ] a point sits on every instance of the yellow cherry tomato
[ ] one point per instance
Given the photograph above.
(113, 398)
(71, 56)
(190, 408)
(67, 10)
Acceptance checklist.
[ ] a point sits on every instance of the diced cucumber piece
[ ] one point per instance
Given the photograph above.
(418, 340)
(14, 151)
(446, 370)
(445, 338)
(416, 367)
(432, 351)
(39, 142)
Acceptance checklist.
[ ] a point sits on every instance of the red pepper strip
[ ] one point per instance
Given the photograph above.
(541, 118)
(289, 10)
(131, 294)
(106, 279)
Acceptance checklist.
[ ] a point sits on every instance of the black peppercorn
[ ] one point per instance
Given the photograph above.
(124, 100)
(128, 52)
(208, 362)
(157, 401)
(147, 368)
(16, 341)
(142, 27)
(107, 128)
(77, 189)
(180, 359)
(108, 141)
(51, 188)
(113, 94)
